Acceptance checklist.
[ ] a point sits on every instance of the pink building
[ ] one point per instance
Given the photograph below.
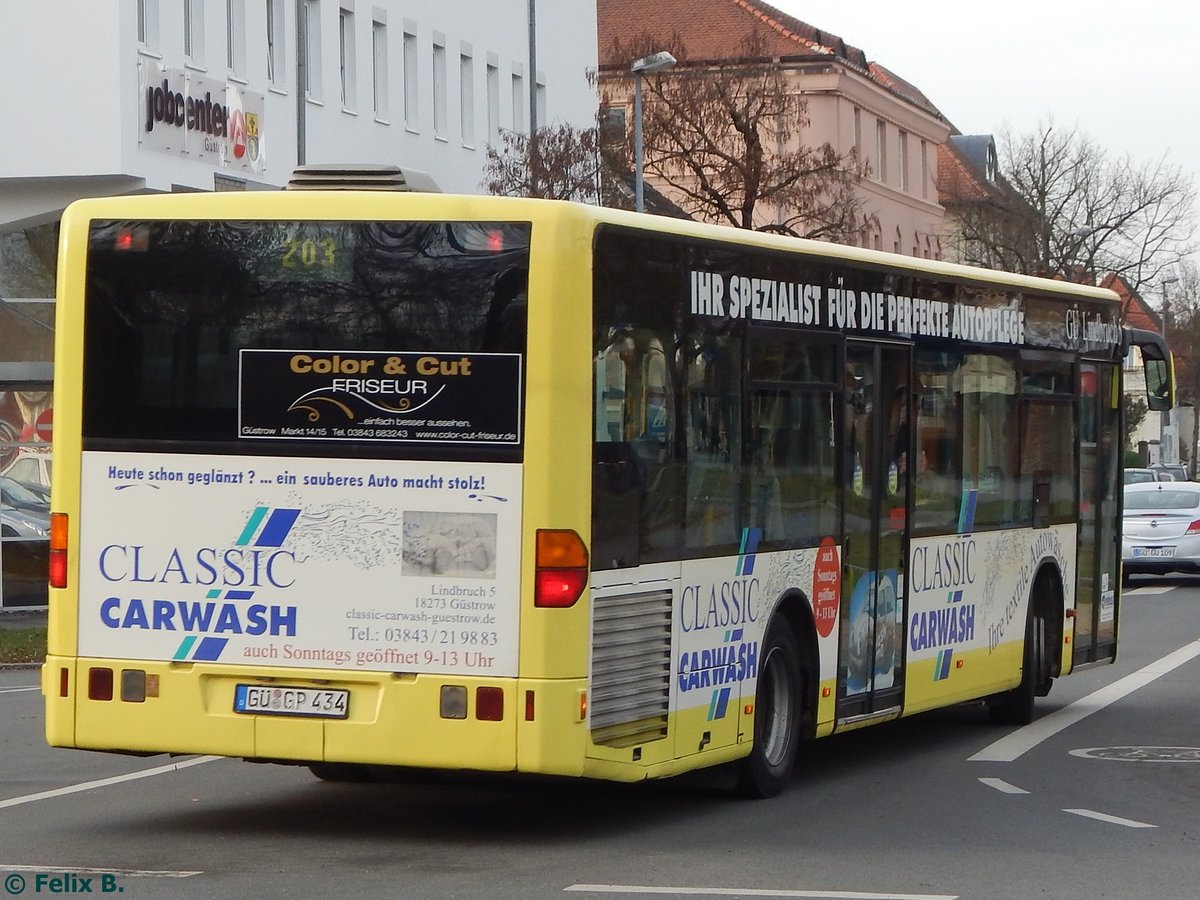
(852, 103)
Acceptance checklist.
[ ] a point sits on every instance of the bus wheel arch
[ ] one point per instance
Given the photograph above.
(1039, 661)
(785, 698)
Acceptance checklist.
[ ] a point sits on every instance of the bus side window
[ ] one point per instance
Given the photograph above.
(938, 480)
(987, 387)
(633, 411)
(611, 378)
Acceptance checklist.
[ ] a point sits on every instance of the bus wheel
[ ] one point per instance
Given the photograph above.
(777, 706)
(1015, 707)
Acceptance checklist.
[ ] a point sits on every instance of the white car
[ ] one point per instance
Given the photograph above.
(1161, 529)
(1137, 476)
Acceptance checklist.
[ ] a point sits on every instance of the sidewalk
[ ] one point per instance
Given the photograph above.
(22, 618)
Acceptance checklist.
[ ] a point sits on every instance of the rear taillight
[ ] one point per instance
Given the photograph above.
(58, 550)
(1194, 528)
(100, 684)
(562, 568)
(489, 704)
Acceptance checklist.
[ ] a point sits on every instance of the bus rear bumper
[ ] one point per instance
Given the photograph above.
(397, 719)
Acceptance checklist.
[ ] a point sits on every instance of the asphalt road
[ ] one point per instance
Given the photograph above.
(1084, 803)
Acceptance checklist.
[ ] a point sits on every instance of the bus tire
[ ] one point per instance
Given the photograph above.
(1016, 707)
(777, 715)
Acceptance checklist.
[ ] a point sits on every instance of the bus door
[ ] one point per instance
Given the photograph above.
(1099, 486)
(878, 447)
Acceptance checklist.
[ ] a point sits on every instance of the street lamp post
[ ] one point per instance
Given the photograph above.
(1167, 437)
(655, 62)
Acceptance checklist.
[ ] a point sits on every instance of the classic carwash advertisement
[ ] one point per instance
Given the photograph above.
(970, 591)
(352, 564)
(723, 609)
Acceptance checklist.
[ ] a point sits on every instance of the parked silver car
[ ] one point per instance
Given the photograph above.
(1137, 476)
(1161, 529)
(1177, 472)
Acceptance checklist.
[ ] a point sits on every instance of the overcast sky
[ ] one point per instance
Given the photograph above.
(1125, 74)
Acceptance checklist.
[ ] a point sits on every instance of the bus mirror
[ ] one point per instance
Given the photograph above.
(1158, 367)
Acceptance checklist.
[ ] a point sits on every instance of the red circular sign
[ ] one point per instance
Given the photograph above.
(237, 133)
(43, 425)
(827, 587)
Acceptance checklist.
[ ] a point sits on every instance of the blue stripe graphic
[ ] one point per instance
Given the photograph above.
(210, 649)
(252, 524)
(749, 546)
(966, 512)
(185, 648)
(719, 704)
(277, 528)
(942, 672)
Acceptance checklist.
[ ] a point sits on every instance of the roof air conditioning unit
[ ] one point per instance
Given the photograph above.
(359, 177)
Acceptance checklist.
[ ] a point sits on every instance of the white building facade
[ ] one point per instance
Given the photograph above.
(109, 97)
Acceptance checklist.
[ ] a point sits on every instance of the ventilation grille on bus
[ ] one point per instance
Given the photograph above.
(356, 177)
(631, 668)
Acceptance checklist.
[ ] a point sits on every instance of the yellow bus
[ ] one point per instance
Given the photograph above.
(360, 480)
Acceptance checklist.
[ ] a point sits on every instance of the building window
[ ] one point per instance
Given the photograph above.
(379, 64)
(147, 23)
(493, 102)
(235, 36)
(275, 42)
(881, 150)
(858, 149)
(904, 162)
(312, 42)
(439, 90)
(346, 56)
(193, 31)
(612, 126)
(410, 80)
(466, 96)
(518, 103)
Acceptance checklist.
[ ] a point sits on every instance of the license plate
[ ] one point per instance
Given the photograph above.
(291, 701)
(1153, 551)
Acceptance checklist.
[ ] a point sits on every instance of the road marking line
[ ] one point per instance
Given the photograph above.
(1149, 590)
(1003, 786)
(749, 892)
(1013, 745)
(105, 782)
(1104, 817)
(90, 870)
(18, 690)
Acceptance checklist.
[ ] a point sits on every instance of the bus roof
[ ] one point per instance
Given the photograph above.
(384, 205)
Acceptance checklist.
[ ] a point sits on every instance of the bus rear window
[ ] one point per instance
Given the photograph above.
(396, 336)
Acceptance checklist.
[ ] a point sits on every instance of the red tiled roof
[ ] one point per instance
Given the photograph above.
(711, 29)
(715, 29)
(890, 79)
(957, 180)
(1135, 312)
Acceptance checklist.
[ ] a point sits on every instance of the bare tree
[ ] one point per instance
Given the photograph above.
(1064, 208)
(724, 136)
(563, 163)
(1182, 308)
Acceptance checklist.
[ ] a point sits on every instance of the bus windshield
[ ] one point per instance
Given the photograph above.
(208, 332)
